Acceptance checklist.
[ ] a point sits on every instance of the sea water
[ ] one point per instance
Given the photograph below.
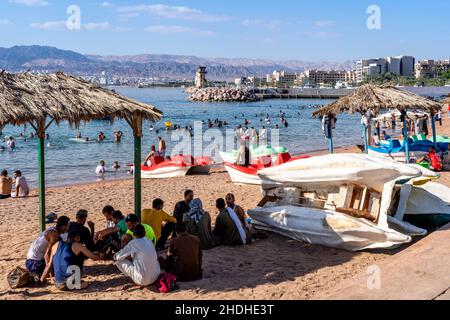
(70, 162)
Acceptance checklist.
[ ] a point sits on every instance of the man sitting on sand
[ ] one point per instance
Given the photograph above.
(143, 268)
(86, 235)
(132, 221)
(184, 257)
(109, 240)
(21, 185)
(71, 254)
(5, 185)
(155, 218)
(183, 207)
(198, 223)
(107, 213)
(229, 229)
(39, 254)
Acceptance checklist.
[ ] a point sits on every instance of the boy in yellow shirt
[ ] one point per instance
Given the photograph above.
(155, 218)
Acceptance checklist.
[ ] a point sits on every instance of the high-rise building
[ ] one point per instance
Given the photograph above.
(400, 65)
(407, 66)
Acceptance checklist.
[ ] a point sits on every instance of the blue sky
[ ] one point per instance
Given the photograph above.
(284, 29)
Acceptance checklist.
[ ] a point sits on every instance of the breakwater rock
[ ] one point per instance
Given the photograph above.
(221, 95)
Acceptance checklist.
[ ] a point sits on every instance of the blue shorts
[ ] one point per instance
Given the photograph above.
(35, 266)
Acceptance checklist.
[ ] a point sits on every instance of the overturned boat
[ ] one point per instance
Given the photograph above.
(347, 201)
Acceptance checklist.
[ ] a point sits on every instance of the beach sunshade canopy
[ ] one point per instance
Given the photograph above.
(26, 97)
(34, 99)
(377, 98)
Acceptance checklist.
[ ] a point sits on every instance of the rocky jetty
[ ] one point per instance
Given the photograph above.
(221, 95)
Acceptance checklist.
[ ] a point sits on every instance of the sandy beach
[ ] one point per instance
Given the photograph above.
(274, 268)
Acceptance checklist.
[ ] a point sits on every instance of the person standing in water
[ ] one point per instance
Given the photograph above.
(100, 170)
(118, 136)
(162, 147)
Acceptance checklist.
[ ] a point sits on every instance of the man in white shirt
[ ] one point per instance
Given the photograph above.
(144, 267)
(100, 170)
(21, 185)
(11, 144)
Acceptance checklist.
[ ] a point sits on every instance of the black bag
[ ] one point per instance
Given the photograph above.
(19, 278)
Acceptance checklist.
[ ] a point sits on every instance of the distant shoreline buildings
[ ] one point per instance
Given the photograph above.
(365, 69)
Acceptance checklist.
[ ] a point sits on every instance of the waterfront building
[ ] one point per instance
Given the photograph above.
(430, 68)
(281, 79)
(400, 65)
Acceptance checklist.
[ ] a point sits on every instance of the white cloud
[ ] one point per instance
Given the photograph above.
(319, 34)
(173, 12)
(268, 40)
(62, 25)
(105, 4)
(97, 26)
(4, 22)
(31, 3)
(50, 25)
(273, 24)
(322, 24)
(172, 29)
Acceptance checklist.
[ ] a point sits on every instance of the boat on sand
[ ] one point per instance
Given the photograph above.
(178, 166)
(347, 201)
(249, 175)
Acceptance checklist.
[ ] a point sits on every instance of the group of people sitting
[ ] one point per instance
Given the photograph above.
(136, 244)
(16, 188)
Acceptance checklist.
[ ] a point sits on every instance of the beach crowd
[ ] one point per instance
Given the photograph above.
(157, 248)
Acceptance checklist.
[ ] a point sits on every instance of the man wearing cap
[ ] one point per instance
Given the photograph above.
(86, 235)
(132, 221)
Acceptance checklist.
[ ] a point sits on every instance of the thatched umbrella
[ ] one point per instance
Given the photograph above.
(376, 98)
(32, 99)
(446, 101)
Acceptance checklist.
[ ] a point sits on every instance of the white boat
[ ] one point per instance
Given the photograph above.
(398, 156)
(249, 175)
(348, 201)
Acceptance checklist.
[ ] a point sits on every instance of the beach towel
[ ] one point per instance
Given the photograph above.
(238, 224)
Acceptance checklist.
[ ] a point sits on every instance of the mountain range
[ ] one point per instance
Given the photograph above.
(39, 58)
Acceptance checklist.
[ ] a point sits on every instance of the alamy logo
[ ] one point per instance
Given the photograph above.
(374, 19)
(374, 280)
(74, 20)
(74, 281)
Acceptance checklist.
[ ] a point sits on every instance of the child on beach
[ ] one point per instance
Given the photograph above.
(100, 170)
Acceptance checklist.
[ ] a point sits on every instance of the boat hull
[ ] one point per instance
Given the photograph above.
(398, 156)
(327, 228)
(164, 172)
(243, 175)
(200, 170)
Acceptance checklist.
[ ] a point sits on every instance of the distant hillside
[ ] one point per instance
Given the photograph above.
(21, 58)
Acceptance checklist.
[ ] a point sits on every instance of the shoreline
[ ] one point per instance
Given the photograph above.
(214, 169)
